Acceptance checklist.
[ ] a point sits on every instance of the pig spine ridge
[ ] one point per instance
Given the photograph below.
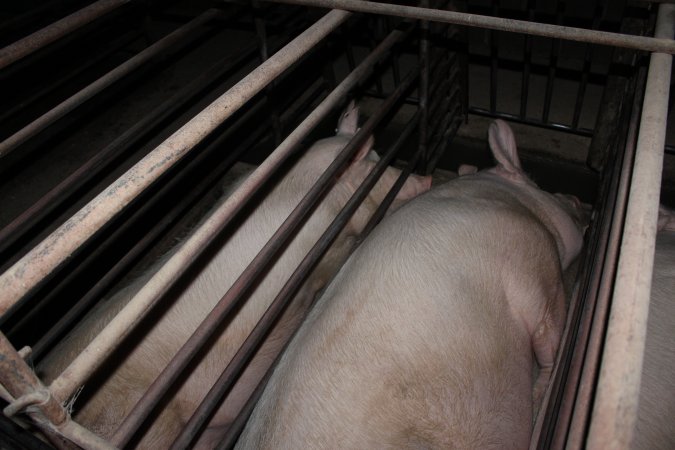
(426, 337)
(105, 408)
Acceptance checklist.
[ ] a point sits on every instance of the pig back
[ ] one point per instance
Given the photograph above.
(655, 428)
(418, 341)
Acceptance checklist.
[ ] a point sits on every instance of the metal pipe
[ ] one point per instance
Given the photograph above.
(45, 257)
(167, 43)
(37, 94)
(497, 23)
(178, 263)
(33, 398)
(285, 295)
(575, 406)
(586, 69)
(57, 30)
(527, 58)
(553, 63)
(53, 199)
(615, 406)
(424, 64)
(240, 288)
(64, 323)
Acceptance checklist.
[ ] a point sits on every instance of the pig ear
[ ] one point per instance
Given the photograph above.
(365, 149)
(503, 146)
(349, 119)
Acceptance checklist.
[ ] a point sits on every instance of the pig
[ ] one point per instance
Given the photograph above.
(426, 337)
(655, 428)
(126, 379)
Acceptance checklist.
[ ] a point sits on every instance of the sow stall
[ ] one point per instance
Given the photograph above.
(123, 120)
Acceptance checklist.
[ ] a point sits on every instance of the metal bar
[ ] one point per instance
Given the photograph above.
(615, 406)
(57, 30)
(553, 62)
(575, 405)
(536, 123)
(33, 398)
(497, 23)
(586, 69)
(424, 84)
(91, 62)
(44, 258)
(64, 323)
(95, 353)
(494, 60)
(55, 198)
(285, 295)
(527, 58)
(237, 425)
(239, 289)
(167, 43)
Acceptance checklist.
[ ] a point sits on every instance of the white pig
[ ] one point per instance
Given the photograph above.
(426, 337)
(133, 371)
(655, 429)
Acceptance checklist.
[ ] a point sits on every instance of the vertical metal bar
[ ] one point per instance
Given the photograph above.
(44, 258)
(494, 60)
(167, 43)
(615, 406)
(57, 30)
(240, 288)
(527, 62)
(285, 295)
(572, 427)
(424, 85)
(586, 69)
(553, 62)
(261, 33)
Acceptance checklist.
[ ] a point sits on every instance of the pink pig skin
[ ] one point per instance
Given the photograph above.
(104, 408)
(429, 335)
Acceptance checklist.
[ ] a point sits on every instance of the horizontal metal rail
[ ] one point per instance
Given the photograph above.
(57, 247)
(57, 30)
(659, 44)
(615, 406)
(167, 43)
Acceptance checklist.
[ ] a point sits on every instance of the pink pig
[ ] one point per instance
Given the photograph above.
(429, 334)
(105, 406)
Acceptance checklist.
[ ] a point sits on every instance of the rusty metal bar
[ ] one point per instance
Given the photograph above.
(239, 289)
(167, 43)
(57, 30)
(285, 295)
(664, 45)
(615, 405)
(33, 398)
(178, 263)
(45, 257)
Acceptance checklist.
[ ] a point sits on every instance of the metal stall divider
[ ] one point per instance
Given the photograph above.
(614, 408)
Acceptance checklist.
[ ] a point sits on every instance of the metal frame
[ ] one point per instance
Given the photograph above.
(615, 405)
